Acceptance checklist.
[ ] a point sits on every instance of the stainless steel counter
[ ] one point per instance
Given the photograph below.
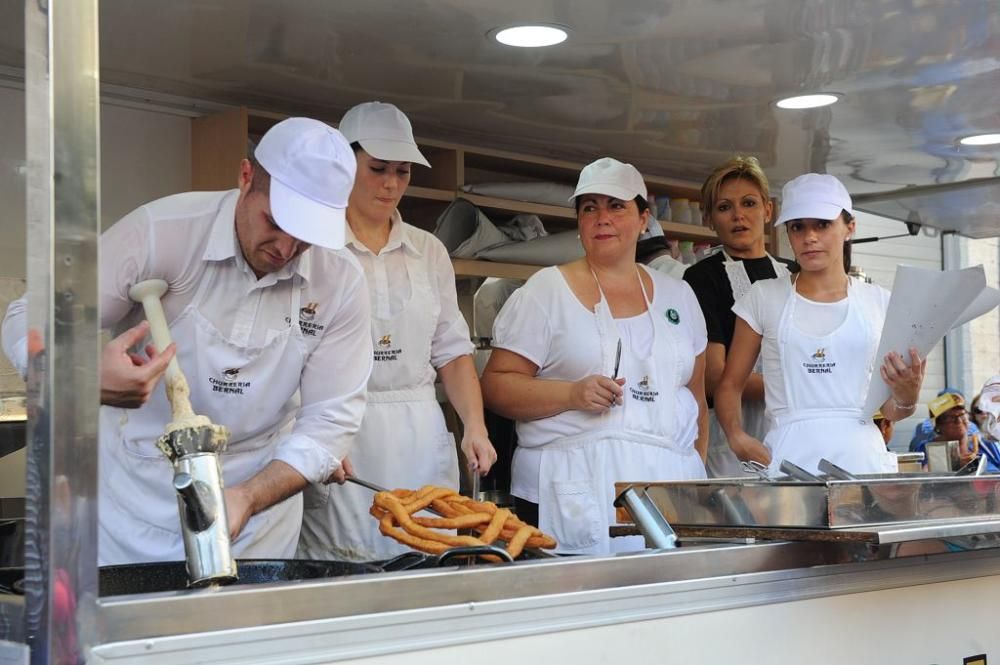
(385, 613)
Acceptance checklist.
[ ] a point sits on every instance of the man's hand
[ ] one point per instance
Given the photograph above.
(127, 379)
(747, 449)
(478, 451)
(343, 471)
(239, 509)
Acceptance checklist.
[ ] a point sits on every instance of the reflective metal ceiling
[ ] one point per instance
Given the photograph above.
(674, 86)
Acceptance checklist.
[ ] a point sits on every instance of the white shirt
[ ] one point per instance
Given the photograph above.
(544, 322)
(761, 308)
(174, 239)
(389, 285)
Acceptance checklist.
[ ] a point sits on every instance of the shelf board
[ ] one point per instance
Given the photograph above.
(429, 193)
(540, 209)
(474, 268)
(688, 231)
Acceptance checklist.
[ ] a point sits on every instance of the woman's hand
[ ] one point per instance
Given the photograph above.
(596, 393)
(903, 381)
(478, 450)
(747, 449)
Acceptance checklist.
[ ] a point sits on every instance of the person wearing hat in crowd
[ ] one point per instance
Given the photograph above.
(951, 423)
(817, 332)
(418, 334)
(736, 203)
(924, 432)
(985, 411)
(885, 426)
(271, 333)
(601, 362)
(652, 250)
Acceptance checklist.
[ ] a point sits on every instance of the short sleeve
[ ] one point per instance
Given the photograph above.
(708, 300)
(749, 308)
(522, 326)
(451, 335)
(699, 333)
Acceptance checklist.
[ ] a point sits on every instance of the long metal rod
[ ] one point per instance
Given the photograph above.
(63, 209)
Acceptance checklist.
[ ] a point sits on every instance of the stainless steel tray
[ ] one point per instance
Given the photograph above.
(830, 504)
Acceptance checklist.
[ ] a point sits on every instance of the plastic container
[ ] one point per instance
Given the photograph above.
(663, 206)
(680, 211)
(696, 213)
(688, 257)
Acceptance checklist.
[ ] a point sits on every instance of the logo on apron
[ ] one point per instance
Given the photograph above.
(819, 364)
(306, 316)
(644, 392)
(384, 351)
(227, 382)
(673, 316)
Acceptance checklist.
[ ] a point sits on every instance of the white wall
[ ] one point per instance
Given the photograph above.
(144, 155)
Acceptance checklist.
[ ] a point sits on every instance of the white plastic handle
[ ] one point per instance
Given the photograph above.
(148, 293)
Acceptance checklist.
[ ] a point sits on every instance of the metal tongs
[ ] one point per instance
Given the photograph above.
(534, 551)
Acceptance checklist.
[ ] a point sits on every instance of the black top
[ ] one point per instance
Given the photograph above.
(710, 283)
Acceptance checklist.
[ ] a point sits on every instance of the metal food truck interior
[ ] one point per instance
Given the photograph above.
(108, 105)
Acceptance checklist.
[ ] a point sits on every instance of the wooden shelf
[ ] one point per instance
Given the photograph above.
(473, 268)
(540, 209)
(429, 193)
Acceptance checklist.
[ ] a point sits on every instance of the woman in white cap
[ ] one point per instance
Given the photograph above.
(601, 362)
(418, 333)
(817, 332)
(736, 203)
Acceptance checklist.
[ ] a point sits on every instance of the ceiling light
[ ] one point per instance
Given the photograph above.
(981, 139)
(807, 101)
(531, 36)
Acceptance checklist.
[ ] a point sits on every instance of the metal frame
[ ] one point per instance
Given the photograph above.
(63, 207)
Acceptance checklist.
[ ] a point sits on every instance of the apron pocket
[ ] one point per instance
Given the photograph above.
(315, 496)
(576, 517)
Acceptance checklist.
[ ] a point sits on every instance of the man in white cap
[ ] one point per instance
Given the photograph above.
(272, 337)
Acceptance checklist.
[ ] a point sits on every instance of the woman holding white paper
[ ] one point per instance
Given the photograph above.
(818, 333)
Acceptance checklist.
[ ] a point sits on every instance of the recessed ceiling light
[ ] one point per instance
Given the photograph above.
(531, 36)
(980, 139)
(807, 101)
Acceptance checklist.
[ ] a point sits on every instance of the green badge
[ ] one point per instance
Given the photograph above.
(673, 316)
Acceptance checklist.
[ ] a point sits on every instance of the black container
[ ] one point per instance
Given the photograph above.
(172, 575)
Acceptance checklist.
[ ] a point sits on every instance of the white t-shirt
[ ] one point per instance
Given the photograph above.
(762, 307)
(544, 322)
(389, 285)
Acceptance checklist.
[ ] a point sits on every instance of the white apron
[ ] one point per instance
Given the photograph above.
(247, 389)
(826, 382)
(577, 474)
(403, 441)
(722, 462)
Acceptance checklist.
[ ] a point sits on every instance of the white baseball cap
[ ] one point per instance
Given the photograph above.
(383, 131)
(312, 171)
(813, 196)
(610, 177)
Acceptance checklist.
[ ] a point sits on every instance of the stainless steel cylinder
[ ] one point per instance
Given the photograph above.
(651, 522)
(204, 522)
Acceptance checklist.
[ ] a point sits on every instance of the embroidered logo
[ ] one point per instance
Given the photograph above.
(306, 316)
(820, 364)
(673, 316)
(644, 392)
(308, 313)
(228, 384)
(384, 351)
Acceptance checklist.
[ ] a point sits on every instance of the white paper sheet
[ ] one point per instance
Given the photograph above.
(925, 305)
(988, 300)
